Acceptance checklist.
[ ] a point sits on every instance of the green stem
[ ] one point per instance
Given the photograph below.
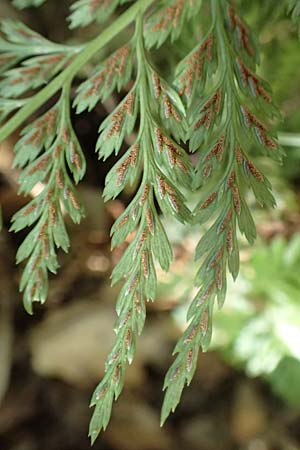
(90, 50)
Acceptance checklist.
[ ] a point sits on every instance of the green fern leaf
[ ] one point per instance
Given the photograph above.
(234, 116)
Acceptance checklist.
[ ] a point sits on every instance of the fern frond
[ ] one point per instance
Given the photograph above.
(47, 152)
(157, 161)
(234, 115)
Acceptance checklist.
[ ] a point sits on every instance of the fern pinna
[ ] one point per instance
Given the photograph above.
(217, 103)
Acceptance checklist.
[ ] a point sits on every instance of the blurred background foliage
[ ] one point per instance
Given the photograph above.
(246, 394)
